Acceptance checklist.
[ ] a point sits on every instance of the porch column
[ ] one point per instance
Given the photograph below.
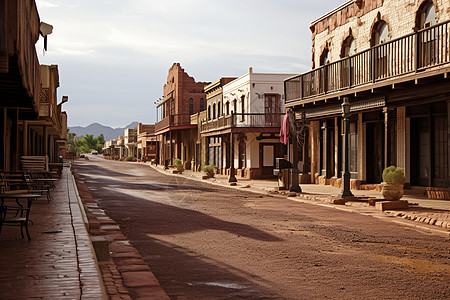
(314, 142)
(46, 142)
(232, 177)
(170, 148)
(386, 136)
(448, 140)
(4, 139)
(325, 150)
(25, 138)
(15, 141)
(336, 147)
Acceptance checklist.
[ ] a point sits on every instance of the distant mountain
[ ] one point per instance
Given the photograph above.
(96, 129)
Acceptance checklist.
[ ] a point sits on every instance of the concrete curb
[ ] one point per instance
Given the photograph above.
(90, 275)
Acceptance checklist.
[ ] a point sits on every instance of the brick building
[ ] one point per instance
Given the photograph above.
(183, 97)
(391, 61)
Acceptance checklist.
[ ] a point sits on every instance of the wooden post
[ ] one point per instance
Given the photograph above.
(386, 136)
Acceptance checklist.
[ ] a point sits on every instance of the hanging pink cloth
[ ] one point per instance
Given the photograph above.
(284, 132)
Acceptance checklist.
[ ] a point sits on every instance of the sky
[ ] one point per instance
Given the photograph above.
(113, 56)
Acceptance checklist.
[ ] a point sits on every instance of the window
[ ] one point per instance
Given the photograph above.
(209, 112)
(272, 110)
(191, 106)
(325, 58)
(214, 111)
(348, 47)
(426, 15)
(218, 110)
(380, 34)
(227, 108)
(429, 39)
(202, 104)
(235, 105)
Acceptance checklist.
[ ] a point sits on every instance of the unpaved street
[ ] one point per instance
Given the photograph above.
(204, 241)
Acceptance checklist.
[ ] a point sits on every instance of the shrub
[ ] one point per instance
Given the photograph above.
(177, 162)
(209, 168)
(393, 175)
(130, 158)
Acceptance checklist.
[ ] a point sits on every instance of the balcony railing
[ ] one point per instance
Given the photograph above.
(250, 120)
(415, 52)
(173, 121)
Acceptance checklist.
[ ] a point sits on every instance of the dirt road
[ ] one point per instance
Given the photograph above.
(210, 242)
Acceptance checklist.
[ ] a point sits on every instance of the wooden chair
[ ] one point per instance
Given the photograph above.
(20, 218)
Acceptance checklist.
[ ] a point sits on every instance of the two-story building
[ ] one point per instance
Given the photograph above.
(31, 120)
(183, 97)
(242, 127)
(391, 61)
(146, 142)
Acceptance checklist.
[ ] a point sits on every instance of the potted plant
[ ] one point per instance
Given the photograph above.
(392, 186)
(209, 170)
(178, 165)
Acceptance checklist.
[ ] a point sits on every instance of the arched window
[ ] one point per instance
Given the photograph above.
(348, 47)
(235, 105)
(209, 112)
(202, 104)
(426, 15)
(214, 111)
(227, 107)
(325, 58)
(191, 106)
(218, 109)
(380, 33)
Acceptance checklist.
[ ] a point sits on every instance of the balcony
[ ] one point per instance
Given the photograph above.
(19, 65)
(412, 54)
(248, 120)
(178, 120)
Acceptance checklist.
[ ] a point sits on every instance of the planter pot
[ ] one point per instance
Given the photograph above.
(180, 170)
(210, 174)
(392, 192)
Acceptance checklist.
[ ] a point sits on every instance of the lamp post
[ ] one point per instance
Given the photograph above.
(232, 177)
(346, 193)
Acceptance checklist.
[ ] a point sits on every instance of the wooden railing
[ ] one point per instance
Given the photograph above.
(251, 120)
(415, 52)
(173, 121)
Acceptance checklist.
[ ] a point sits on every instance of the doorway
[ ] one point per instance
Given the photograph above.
(374, 148)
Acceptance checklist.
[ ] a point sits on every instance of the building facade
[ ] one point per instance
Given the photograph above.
(31, 121)
(183, 97)
(241, 129)
(393, 69)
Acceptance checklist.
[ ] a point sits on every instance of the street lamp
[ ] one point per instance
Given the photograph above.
(346, 193)
(232, 177)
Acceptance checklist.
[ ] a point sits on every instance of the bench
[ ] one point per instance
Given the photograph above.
(34, 163)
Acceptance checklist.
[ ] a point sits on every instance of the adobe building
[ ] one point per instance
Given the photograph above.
(176, 136)
(146, 142)
(390, 61)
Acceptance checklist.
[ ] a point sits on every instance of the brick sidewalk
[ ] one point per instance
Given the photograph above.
(125, 273)
(58, 262)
